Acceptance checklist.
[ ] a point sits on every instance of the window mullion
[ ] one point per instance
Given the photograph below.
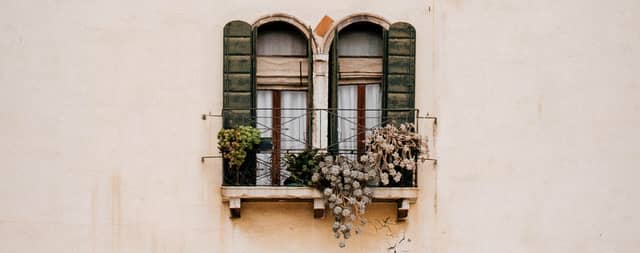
(276, 126)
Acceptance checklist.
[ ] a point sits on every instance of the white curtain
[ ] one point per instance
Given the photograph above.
(294, 119)
(373, 102)
(293, 136)
(347, 116)
(264, 115)
(347, 119)
(263, 112)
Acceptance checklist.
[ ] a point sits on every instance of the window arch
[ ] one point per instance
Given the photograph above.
(280, 39)
(357, 60)
(361, 40)
(268, 68)
(268, 84)
(283, 86)
(346, 21)
(378, 60)
(293, 21)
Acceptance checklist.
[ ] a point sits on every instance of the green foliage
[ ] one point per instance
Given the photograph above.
(302, 166)
(234, 144)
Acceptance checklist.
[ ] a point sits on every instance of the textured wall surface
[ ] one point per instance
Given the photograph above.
(100, 135)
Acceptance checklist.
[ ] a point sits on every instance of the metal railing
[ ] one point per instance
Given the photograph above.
(294, 130)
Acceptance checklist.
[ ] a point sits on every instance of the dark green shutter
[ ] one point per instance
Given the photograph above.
(333, 96)
(239, 93)
(400, 62)
(310, 113)
(239, 87)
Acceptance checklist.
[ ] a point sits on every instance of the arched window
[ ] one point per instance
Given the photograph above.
(282, 77)
(371, 80)
(360, 56)
(268, 83)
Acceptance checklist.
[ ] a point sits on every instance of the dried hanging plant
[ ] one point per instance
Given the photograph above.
(343, 184)
(390, 149)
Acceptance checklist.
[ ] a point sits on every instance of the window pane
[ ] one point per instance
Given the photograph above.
(264, 114)
(263, 168)
(293, 126)
(293, 130)
(294, 120)
(347, 117)
(373, 105)
(280, 38)
(360, 40)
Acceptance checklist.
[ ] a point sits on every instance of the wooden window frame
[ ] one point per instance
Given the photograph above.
(276, 132)
(306, 85)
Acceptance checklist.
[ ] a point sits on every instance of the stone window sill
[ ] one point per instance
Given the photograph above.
(236, 194)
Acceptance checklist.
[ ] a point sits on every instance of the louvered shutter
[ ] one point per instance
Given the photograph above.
(310, 113)
(400, 58)
(333, 96)
(239, 90)
(239, 93)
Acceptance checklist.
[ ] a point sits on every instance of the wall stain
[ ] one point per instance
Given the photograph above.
(435, 191)
(431, 148)
(154, 242)
(434, 133)
(94, 196)
(539, 103)
(115, 210)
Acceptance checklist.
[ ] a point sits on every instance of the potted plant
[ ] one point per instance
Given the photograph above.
(236, 144)
(302, 166)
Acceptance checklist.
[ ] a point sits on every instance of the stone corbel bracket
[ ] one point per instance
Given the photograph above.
(236, 194)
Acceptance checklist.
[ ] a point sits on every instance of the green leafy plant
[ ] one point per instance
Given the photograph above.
(392, 151)
(302, 166)
(343, 185)
(234, 144)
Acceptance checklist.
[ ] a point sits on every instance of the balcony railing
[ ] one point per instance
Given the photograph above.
(292, 130)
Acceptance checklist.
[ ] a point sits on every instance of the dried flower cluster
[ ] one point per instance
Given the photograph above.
(390, 149)
(390, 152)
(343, 184)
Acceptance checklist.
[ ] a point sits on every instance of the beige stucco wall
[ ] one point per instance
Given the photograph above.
(101, 136)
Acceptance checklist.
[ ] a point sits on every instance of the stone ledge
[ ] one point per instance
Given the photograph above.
(236, 194)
